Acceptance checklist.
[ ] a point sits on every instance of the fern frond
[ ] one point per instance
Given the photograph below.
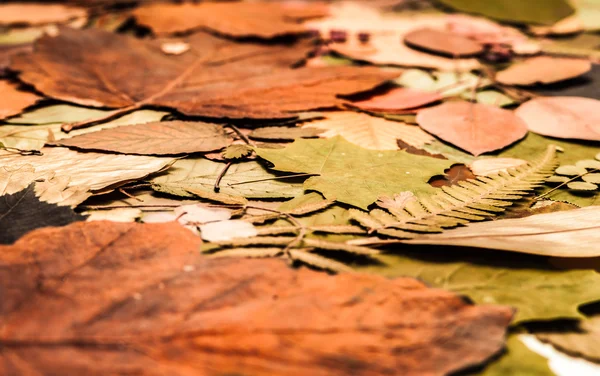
(318, 261)
(246, 252)
(470, 200)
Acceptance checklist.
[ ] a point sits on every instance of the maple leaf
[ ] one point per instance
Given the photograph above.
(225, 315)
(13, 100)
(351, 174)
(537, 290)
(370, 132)
(160, 138)
(474, 127)
(253, 81)
(22, 212)
(239, 19)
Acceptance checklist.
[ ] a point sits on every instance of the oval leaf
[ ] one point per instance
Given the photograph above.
(442, 42)
(543, 69)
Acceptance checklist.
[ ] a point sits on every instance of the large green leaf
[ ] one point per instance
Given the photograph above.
(545, 12)
(247, 179)
(517, 360)
(538, 291)
(351, 174)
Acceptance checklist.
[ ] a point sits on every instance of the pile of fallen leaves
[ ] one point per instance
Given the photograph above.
(428, 171)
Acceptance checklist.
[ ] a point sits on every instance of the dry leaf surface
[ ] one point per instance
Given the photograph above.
(13, 100)
(399, 100)
(38, 14)
(132, 298)
(442, 42)
(216, 78)
(237, 19)
(475, 127)
(543, 69)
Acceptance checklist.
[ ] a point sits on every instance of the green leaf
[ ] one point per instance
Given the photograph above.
(236, 151)
(538, 291)
(546, 12)
(517, 360)
(247, 179)
(351, 174)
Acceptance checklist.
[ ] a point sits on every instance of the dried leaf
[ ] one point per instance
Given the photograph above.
(340, 164)
(543, 69)
(175, 48)
(160, 138)
(446, 84)
(518, 360)
(537, 290)
(386, 33)
(237, 151)
(114, 215)
(582, 186)
(370, 132)
(474, 127)
(562, 117)
(247, 179)
(552, 234)
(398, 100)
(515, 11)
(254, 80)
(319, 261)
(95, 171)
(488, 166)
(110, 275)
(583, 342)
(454, 175)
(238, 19)
(13, 100)
(38, 14)
(442, 42)
(285, 133)
(22, 212)
(227, 230)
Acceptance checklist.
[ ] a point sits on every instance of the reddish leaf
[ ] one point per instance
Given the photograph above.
(108, 298)
(160, 138)
(454, 175)
(562, 117)
(444, 43)
(544, 69)
(7, 51)
(14, 101)
(398, 100)
(474, 127)
(216, 78)
(238, 19)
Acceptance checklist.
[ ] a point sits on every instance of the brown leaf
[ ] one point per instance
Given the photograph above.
(159, 138)
(562, 117)
(474, 127)
(6, 51)
(238, 19)
(543, 69)
(38, 14)
(124, 298)
(442, 42)
(13, 100)
(398, 100)
(454, 175)
(216, 78)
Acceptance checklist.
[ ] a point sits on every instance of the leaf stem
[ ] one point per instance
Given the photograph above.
(562, 184)
(275, 178)
(68, 127)
(216, 187)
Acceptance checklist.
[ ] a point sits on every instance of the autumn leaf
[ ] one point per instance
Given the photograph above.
(536, 290)
(518, 360)
(370, 132)
(543, 69)
(254, 80)
(583, 341)
(398, 100)
(474, 127)
(551, 234)
(455, 174)
(247, 179)
(96, 171)
(238, 19)
(351, 174)
(285, 133)
(159, 138)
(112, 274)
(13, 100)
(562, 117)
(488, 166)
(442, 42)
(22, 212)
(38, 14)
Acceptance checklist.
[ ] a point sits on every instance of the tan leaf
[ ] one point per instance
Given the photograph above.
(399, 100)
(572, 233)
(228, 315)
(114, 215)
(38, 14)
(14, 178)
(475, 127)
(238, 19)
(443, 42)
(13, 100)
(568, 25)
(227, 230)
(543, 69)
(94, 170)
(386, 33)
(56, 190)
(488, 166)
(562, 117)
(160, 138)
(370, 132)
